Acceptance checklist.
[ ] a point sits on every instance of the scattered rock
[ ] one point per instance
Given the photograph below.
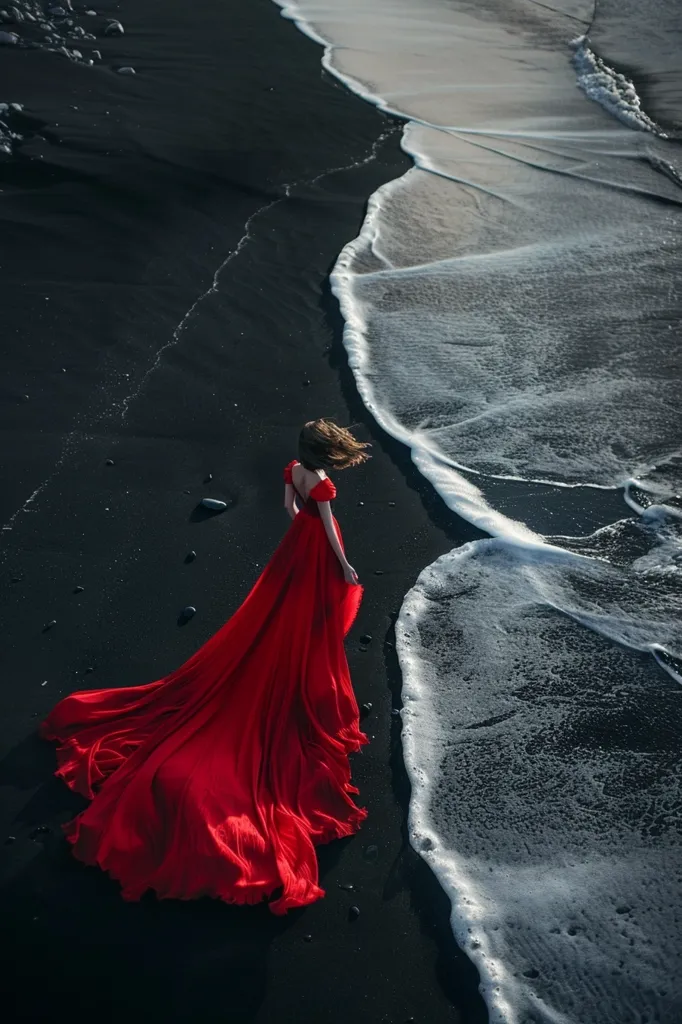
(89, 669)
(9, 39)
(371, 853)
(367, 707)
(50, 624)
(126, 71)
(378, 572)
(15, 579)
(57, 12)
(360, 504)
(366, 638)
(186, 492)
(214, 504)
(362, 648)
(78, 590)
(188, 612)
(307, 938)
(10, 839)
(114, 28)
(208, 479)
(346, 886)
(306, 383)
(353, 913)
(91, 14)
(391, 504)
(395, 712)
(6, 18)
(96, 54)
(26, 398)
(44, 682)
(109, 462)
(190, 556)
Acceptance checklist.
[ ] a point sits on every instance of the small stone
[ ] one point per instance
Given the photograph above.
(353, 913)
(109, 462)
(366, 638)
(26, 398)
(41, 830)
(360, 504)
(9, 39)
(395, 712)
(50, 624)
(214, 504)
(188, 611)
(191, 555)
(306, 383)
(208, 478)
(44, 683)
(362, 648)
(186, 492)
(97, 54)
(367, 707)
(89, 669)
(307, 938)
(6, 17)
(126, 71)
(15, 579)
(378, 572)
(371, 853)
(346, 886)
(91, 14)
(57, 12)
(78, 590)
(10, 839)
(391, 504)
(114, 28)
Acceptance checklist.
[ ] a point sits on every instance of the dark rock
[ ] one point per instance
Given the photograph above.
(190, 556)
(378, 572)
(39, 833)
(362, 648)
(208, 478)
(214, 504)
(306, 383)
(531, 973)
(15, 579)
(114, 28)
(307, 938)
(391, 504)
(9, 39)
(97, 54)
(366, 638)
(360, 504)
(188, 612)
(346, 886)
(353, 913)
(371, 853)
(50, 624)
(109, 462)
(10, 839)
(366, 707)
(6, 18)
(89, 669)
(186, 492)
(57, 12)
(78, 590)
(395, 712)
(127, 70)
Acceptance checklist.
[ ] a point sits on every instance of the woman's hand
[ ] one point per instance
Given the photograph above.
(350, 575)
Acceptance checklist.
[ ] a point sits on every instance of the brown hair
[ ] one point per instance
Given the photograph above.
(322, 444)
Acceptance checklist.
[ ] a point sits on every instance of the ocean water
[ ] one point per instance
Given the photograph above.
(513, 315)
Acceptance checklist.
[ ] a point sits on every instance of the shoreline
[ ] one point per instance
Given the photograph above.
(184, 959)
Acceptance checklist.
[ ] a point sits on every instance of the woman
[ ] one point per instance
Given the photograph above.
(221, 779)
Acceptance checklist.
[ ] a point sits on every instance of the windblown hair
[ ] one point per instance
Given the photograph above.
(322, 444)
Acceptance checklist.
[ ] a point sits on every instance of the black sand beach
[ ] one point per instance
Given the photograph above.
(125, 341)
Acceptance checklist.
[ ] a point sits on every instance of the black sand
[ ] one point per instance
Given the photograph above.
(114, 218)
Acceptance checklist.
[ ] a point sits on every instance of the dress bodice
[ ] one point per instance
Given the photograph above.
(324, 491)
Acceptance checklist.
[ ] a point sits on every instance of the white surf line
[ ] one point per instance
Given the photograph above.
(124, 404)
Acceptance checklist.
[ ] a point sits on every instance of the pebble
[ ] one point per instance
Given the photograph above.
(6, 17)
(360, 504)
(126, 71)
(306, 383)
(395, 711)
(114, 28)
(10, 839)
(41, 830)
(391, 504)
(57, 12)
(354, 913)
(109, 462)
(214, 504)
(9, 39)
(307, 938)
(91, 14)
(346, 886)
(50, 624)
(97, 54)
(89, 669)
(378, 572)
(44, 683)
(191, 555)
(208, 478)
(188, 611)
(362, 648)
(371, 853)
(15, 579)
(78, 590)
(367, 707)
(366, 638)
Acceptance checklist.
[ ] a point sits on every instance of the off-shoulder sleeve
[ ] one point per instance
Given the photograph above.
(287, 471)
(324, 491)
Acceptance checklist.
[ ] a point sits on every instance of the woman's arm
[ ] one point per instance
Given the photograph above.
(349, 572)
(290, 500)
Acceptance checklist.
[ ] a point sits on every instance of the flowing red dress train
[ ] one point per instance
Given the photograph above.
(220, 779)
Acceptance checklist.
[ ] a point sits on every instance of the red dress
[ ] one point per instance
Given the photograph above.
(221, 779)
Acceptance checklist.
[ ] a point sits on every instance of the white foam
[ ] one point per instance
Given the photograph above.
(507, 309)
(614, 91)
